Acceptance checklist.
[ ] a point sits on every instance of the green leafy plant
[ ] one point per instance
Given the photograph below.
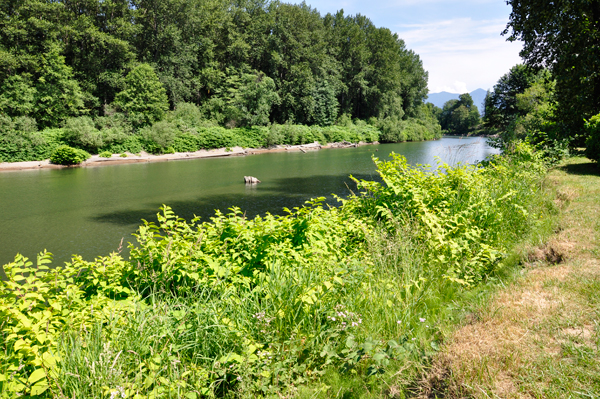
(65, 155)
(592, 143)
(105, 154)
(245, 307)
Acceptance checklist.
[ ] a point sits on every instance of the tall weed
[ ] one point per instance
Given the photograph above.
(238, 307)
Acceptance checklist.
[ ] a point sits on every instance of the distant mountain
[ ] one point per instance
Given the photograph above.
(439, 99)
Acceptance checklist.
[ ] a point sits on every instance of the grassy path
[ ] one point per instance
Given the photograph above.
(540, 336)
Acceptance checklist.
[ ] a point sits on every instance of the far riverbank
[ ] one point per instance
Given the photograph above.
(143, 156)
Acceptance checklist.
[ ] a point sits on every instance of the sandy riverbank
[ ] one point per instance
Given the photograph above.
(116, 159)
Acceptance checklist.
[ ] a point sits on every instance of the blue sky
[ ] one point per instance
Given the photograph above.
(458, 41)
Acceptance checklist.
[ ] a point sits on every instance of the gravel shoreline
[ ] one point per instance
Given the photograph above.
(116, 159)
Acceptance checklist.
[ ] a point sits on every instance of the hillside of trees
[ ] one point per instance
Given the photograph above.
(107, 69)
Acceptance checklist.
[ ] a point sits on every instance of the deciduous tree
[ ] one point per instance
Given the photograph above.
(144, 98)
(564, 36)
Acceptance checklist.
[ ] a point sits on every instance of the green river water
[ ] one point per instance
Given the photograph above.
(87, 211)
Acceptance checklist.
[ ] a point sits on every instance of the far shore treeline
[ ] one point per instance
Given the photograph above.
(173, 75)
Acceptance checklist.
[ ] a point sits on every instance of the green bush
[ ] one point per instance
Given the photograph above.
(187, 116)
(65, 155)
(14, 143)
(81, 132)
(184, 130)
(394, 130)
(187, 142)
(159, 136)
(115, 129)
(132, 144)
(20, 140)
(592, 143)
(105, 154)
(44, 143)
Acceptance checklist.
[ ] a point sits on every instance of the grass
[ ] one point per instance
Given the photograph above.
(540, 336)
(349, 302)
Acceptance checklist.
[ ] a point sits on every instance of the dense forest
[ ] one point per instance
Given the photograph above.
(108, 69)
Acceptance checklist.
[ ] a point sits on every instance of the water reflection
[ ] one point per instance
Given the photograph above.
(88, 211)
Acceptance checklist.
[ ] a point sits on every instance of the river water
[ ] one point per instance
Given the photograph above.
(87, 211)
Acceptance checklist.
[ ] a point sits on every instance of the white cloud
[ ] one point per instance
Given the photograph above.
(462, 54)
(457, 87)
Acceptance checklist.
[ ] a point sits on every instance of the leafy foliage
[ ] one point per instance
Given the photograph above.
(144, 99)
(523, 107)
(564, 36)
(425, 127)
(20, 140)
(459, 116)
(65, 155)
(501, 107)
(108, 71)
(57, 95)
(236, 307)
(81, 132)
(244, 64)
(465, 215)
(592, 143)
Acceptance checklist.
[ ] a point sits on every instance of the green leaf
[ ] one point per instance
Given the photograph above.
(39, 388)
(37, 375)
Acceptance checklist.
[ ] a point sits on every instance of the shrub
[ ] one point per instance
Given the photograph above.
(159, 136)
(115, 129)
(217, 137)
(132, 144)
(394, 130)
(13, 143)
(81, 132)
(20, 140)
(186, 142)
(105, 154)
(592, 143)
(187, 117)
(65, 155)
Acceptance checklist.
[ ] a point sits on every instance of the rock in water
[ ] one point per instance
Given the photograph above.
(251, 180)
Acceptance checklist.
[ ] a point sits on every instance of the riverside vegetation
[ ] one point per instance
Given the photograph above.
(323, 301)
(184, 130)
(179, 76)
(537, 336)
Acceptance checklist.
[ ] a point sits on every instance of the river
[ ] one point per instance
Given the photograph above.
(87, 211)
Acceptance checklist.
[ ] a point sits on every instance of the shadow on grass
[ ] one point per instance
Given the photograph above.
(585, 169)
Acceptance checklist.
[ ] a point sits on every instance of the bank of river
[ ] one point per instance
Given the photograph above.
(88, 211)
(143, 157)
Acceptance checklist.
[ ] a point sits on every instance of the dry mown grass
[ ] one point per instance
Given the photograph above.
(539, 337)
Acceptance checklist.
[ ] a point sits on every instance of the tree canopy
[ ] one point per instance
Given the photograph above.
(271, 61)
(459, 116)
(563, 36)
(501, 107)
